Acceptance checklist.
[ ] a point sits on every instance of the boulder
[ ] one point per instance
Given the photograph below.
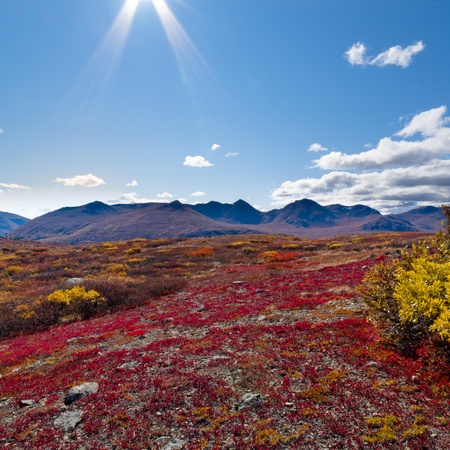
(80, 391)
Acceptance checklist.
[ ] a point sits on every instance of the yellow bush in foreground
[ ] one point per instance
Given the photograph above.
(410, 296)
(423, 293)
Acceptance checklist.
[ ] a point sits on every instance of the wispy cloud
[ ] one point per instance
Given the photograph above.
(397, 172)
(13, 187)
(215, 147)
(198, 194)
(231, 154)
(2, 131)
(131, 197)
(317, 148)
(196, 161)
(397, 55)
(88, 180)
(133, 183)
(165, 196)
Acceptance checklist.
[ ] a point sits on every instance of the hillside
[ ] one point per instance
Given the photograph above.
(97, 222)
(264, 345)
(9, 222)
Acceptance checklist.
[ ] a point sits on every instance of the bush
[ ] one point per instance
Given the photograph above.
(76, 301)
(116, 291)
(410, 296)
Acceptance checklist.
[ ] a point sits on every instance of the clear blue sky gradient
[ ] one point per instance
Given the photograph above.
(269, 101)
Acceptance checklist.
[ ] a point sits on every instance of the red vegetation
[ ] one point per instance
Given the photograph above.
(176, 367)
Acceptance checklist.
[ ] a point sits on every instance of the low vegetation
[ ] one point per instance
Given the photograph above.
(251, 342)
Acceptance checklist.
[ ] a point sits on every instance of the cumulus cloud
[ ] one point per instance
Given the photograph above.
(133, 183)
(433, 142)
(356, 54)
(395, 174)
(215, 147)
(88, 180)
(198, 194)
(231, 154)
(397, 55)
(317, 148)
(426, 123)
(196, 161)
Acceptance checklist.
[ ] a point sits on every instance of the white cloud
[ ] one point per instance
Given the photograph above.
(88, 180)
(215, 147)
(130, 197)
(133, 183)
(434, 142)
(1, 131)
(426, 123)
(13, 187)
(356, 55)
(395, 174)
(397, 55)
(165, 196)
(231, 154)
(196, 161)
(317, 148)
(198, 194)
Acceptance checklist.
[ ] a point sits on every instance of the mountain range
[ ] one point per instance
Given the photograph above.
(99, 222)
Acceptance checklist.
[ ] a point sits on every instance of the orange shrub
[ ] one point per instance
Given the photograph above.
(201, 252)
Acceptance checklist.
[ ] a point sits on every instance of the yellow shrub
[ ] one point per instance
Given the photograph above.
(334, 246)
(238, 244)
(134, 250)
(13, 269)
(423, 292)
(77, 293)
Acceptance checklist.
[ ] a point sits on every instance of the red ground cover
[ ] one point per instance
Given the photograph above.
(177, 368)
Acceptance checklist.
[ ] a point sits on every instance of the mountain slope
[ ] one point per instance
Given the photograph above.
(426, 218)
(238, 212)
(9, 222)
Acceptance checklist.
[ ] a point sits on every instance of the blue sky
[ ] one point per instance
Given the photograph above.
(157, 100)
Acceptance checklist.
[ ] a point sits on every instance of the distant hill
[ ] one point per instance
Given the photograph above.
(97, 222)
(9, 222)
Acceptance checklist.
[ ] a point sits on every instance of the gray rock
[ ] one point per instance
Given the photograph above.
(249, 400)
(68, 420)
(80, 391)
(24, 403)
(74, 280)
(174, 444)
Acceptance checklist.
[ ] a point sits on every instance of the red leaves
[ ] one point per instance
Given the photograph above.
(177, 367)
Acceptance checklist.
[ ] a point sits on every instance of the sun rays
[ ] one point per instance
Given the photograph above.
(96, 81)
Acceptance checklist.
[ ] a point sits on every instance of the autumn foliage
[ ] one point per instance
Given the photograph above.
(181, 336)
